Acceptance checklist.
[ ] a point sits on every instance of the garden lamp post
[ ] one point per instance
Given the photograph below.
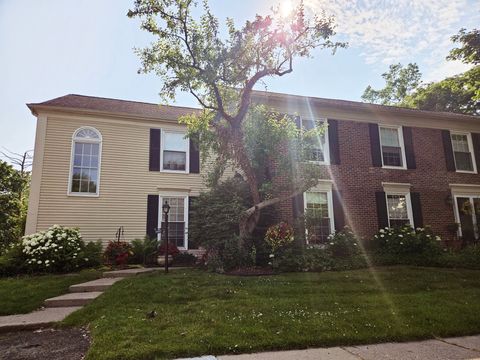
(166, 209)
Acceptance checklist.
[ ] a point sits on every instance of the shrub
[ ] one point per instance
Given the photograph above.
(144, 251)
(172, 249)
(343, 244)
(58, 249)
(12, 261)
(279, 235)
(117, 253)
(92, 254)
(228, 257)
(184, 259)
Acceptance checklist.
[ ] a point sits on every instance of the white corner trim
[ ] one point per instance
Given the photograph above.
(396, 187)
(37, 170)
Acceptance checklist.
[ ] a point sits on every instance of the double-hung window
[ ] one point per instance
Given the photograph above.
(319, 220)
(462, 151)
(318, 150)
(177, 219)
(393, 150)
(85, 162)
(399, 209)
(174, 151)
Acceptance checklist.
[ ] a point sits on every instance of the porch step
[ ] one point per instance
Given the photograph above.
(94, 285)
(72, 299)
(129, 272)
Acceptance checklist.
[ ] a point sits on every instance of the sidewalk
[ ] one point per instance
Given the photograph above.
(459, 348)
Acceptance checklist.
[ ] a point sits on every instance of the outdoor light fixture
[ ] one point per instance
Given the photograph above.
(166, 209)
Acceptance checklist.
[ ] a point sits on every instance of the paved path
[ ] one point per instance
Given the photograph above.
(59, 307)
(460, 348)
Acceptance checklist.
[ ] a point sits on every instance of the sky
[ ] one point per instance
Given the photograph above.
(50, 48)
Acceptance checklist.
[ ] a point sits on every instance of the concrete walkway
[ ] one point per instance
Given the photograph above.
(460, 348)
(59, 307)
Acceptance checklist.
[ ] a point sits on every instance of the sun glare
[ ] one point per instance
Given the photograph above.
(286, 7)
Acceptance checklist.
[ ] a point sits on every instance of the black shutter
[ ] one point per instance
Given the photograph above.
(375, 145)
(333, 143)
(476, 149)
(154, 163)
(152, 215)
(298, 206)
(416, 209)
(338, 211)
(447, 148)
(382, 213)
(409, 153)
(194, 156)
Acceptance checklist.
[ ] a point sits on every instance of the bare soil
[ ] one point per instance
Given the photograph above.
(52, 344)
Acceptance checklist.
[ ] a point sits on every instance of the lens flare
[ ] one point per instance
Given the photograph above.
(286, 8)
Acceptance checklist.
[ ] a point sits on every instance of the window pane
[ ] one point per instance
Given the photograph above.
(317, 204)
(87, 149)
(75, 186)
(175, 142)
(78, 148)
(94, 162)
(318, 234)
(389, 137)
(95, 149)
(174, 160)
(392, 156)
(397, 210)
(463, 161)
(316, 197)
(460, 143)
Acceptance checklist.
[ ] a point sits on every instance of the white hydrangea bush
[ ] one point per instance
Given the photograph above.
(58, 249)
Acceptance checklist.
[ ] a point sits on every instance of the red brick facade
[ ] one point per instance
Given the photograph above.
(359, 180)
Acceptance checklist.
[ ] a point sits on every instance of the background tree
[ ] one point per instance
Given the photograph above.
(469, 52)
(399, 82)
(191, 54)
(11, 184)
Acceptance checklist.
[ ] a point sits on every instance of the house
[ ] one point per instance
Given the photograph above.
(104, 163)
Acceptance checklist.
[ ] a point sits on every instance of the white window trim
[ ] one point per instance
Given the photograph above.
(183, 195)
(72, 156)
(326, 150)
(329, 204)
(408, 200)
(470, 149)
(187, 157)
(402, 146)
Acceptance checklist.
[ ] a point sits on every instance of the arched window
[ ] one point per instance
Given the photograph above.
(85, 162)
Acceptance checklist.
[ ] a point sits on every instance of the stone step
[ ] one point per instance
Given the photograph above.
(72, 299)
(35, 320)
(94, 285)
(129, 272)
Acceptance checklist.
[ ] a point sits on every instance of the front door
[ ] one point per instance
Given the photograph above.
(468, 208)
(177, 217)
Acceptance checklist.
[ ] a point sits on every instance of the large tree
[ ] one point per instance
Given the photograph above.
(220, 68)
(469, 51)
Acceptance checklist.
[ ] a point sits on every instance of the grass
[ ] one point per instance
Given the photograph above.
(202, 313)
(22, 294)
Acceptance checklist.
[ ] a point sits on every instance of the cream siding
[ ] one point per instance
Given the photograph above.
(125, 180)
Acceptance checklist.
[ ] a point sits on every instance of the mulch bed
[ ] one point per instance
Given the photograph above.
(51, 344)
(251, 271)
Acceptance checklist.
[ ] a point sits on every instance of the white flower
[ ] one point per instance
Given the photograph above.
(400, 235)
(438, 238)
(271, 256)
(39, 261)
(382, 236)
(382, 231)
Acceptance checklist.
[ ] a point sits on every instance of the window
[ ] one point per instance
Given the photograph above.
(177, 219)
(391, 142)
(318, 210)
(85, 162)
(399, 210)
(462, 151)
(319, 144)
(174, 151)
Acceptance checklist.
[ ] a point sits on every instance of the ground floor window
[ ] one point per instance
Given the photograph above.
(468, 216)
(399, 210)
(177, 219)
(318, 216)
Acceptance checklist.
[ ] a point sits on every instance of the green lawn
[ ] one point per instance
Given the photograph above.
(202, 313)
(23, 294)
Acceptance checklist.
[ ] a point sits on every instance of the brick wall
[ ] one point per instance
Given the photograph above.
(359, 180)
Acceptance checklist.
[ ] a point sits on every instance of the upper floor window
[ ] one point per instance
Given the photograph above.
(319, 144)
(174, 151)
(462, 151)
(85, 163)
(391, 142)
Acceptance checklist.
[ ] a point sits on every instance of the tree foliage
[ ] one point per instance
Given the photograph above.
(11, 206)
(469, 52)
(220, 68)
(399, 82)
